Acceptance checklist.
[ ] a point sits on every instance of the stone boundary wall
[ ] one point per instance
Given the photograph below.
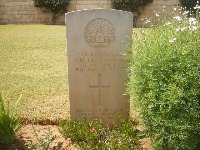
(24, 12)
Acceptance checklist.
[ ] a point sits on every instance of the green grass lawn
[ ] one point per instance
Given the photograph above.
(33, 63)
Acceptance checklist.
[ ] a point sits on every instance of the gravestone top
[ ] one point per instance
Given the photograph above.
(97, 68)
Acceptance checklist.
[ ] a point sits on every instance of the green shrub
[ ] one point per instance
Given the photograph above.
(165, 82)
(94, 136)
(9, 123)
(129, 5)
(55, 6)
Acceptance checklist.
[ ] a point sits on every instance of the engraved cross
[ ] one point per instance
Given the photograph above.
(99, 86)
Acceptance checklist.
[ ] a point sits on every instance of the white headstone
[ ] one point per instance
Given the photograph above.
(97, 68)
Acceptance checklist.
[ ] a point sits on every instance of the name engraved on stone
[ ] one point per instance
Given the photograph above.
(99, 33)
(99, 86)
(89, 62)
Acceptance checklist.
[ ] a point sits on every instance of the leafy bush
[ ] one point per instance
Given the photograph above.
(55, 6)
(9, 123)
(165, 82)
(94, 136)
(129, 5)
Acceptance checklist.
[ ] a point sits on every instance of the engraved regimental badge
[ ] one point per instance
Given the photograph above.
(99, 33)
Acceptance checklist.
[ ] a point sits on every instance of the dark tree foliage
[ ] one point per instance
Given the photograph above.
(129, 5)
(188, 4)
(55, 6)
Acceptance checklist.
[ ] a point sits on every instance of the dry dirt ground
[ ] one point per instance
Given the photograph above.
(27, 134)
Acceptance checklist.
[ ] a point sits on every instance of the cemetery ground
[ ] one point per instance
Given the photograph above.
(33, 66)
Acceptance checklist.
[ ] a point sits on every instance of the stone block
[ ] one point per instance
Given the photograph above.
(16, 8)
(2, 13)
(7, 9)
(10, 0)
(18, 17)
(4, 17)
(4, 21)
(8, 4)
(16, 3)
(11, 12)
(22, 12)
(73, 2)
(71, 8)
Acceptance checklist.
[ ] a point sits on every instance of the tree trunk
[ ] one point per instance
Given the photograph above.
(53, 18)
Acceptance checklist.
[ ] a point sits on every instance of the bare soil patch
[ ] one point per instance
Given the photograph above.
(26, 134)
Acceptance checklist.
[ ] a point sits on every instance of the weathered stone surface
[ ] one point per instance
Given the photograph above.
(97, 68)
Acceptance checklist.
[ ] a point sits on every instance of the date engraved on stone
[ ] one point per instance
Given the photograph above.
(99, 33)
